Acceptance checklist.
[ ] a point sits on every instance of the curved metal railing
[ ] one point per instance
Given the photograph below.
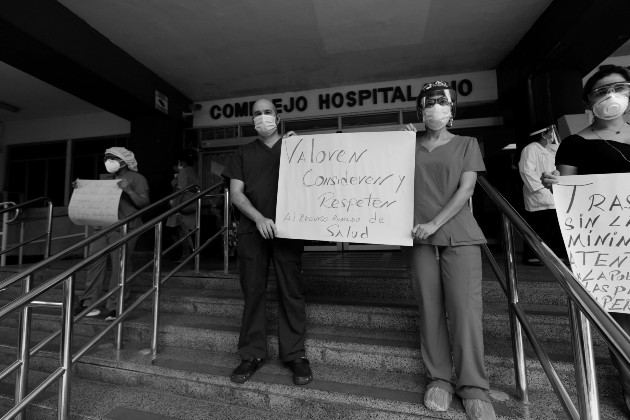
(10, 207)
(584, 311)
(66, 279)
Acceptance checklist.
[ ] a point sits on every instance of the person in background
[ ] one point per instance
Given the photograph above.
(186, 220)
(445, 259)
(135, 195)
(536, 158)
(253, 172)
(601, 148)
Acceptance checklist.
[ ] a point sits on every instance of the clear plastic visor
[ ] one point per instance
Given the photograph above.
(439, 96)
(601, 92)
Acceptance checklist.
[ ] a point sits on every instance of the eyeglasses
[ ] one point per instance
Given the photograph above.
(617, 87)
(112, 157)
(442, 100)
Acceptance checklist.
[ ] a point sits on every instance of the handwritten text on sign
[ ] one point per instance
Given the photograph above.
(594, 216)
(95, 203)
(355, 187)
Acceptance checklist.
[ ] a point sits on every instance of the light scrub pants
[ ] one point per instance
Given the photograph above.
(96, 271)
(450, 284)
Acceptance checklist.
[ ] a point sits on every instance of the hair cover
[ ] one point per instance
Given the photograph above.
(125, 155)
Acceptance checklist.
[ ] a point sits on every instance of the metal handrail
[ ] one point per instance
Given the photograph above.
(67, 278)
(584, 311)
(4, 248)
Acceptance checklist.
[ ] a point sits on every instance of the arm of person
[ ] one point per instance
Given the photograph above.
(529, 171)
(139, 200)
(265, 226)
(550, 178)
(464, 191)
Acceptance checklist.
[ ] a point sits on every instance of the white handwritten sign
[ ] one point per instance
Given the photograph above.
(354, 187)
(95, 203)
(594, 216)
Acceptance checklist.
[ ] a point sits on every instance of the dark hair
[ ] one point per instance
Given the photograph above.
(604, 71)
(188, 156)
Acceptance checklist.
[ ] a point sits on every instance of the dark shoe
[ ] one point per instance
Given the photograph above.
(301, 368)
(111, 315)
(246, 370)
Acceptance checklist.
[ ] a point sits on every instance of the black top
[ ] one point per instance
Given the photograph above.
(258, 166)
(594, 156)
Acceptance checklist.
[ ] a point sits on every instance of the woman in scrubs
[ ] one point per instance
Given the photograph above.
(445, 260)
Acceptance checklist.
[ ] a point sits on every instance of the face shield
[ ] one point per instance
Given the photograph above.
(549, 133)
(437, 93)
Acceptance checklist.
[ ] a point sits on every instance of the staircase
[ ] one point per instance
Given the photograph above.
(362, 341)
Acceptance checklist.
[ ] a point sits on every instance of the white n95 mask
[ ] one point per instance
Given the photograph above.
(112, 166)
(611, 107)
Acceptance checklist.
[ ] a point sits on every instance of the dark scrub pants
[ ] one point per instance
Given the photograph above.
(451, 284)
(254, 254)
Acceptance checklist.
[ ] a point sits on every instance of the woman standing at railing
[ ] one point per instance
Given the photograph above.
(601, 148)
(445, 260)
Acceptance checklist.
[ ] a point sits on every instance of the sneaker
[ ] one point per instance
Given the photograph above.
(246, 370)
(111, 315)
(479, 409)
(94, 312)
(301, 368)
(437, 399)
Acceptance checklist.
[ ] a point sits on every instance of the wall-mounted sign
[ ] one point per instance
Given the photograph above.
(161, 102)
(470, 87)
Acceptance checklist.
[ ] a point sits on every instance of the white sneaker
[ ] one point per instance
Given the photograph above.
(94, 312)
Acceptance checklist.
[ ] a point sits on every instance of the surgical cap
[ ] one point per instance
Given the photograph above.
(125, 155)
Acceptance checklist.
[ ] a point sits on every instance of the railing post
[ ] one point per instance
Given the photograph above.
(585, 377)
(157, 267)
(122, 280)
(67, 325)
(197, 234)
(49, 230)
(5, 235)
(21, 375)
(21, 249)
(518, 351)
(226, 233)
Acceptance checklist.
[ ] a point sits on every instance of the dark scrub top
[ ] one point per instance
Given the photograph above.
(436, 181)
(139, 185)
(258, 166)
(594, 156)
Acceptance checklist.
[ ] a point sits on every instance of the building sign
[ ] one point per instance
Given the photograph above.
(470, 87)
(351, 187)
(594, 216)
(161, 102)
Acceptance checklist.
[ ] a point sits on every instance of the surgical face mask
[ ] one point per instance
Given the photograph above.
(265, 125)
(180, 167)
(437, 116)
(611, 106)
(112, 166)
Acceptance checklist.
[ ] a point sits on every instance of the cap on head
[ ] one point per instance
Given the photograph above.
(126, 155)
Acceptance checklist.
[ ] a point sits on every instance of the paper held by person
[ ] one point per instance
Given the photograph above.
(95, 202)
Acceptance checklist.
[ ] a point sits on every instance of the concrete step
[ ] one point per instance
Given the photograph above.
(91, 400)
(335, 392)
